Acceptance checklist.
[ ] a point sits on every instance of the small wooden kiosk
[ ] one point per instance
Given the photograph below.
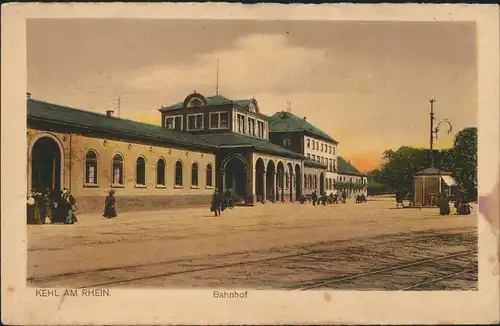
(429, 183)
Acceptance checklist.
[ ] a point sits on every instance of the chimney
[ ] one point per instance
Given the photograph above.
(305, 118)
(109, 113)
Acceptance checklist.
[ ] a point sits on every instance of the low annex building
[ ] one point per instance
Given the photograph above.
(203, 143)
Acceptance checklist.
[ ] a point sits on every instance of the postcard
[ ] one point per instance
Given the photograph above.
(250, 164)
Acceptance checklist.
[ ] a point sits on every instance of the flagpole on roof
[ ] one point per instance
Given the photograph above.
(217, 83)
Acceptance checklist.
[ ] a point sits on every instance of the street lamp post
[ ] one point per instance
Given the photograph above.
(434, 131)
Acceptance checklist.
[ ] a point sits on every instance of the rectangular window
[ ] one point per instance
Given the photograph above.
(174, 122)
(241, 123)
(321, 146)
(308, 143)
(251, 126)
(287, 142)
(219, 120)
(333, 150)
(260, 129)
(195, 121)
(317, 145)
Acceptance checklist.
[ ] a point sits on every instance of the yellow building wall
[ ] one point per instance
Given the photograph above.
(129, 196)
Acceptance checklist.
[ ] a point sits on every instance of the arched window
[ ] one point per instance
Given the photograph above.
(160, 172)
(91, 168)
(178, 173)
(117, 169)
(208, 179)
(194, 174)
(287, 180)
(140, 171)
(315, 181)
(305, 180)
(311, 185)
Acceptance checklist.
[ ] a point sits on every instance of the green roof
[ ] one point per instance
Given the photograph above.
(232, 139)
(346, 167)
(289, 122)
(72, 117)
(211, 101)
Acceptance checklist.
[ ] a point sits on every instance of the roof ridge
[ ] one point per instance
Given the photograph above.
(93, 113)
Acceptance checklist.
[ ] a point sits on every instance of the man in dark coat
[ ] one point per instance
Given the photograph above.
(314, 198)
(444, 205)
(216, 202)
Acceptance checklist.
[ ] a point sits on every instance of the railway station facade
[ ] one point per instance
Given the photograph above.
(203, 143)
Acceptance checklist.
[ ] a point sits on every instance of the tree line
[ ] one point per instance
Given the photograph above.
(398, 167)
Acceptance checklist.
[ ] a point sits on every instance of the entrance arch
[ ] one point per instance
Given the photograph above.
(46, 164)
(259, 182)
(322, 183)
(290, 181)
(234, 178)
(280, 184)
(298, 184)
(270, 179)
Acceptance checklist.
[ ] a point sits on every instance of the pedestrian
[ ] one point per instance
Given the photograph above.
(109, 205)
(459, 202)
(68, 207)
(444, 204)
(216, 203)
(33, 214)
(314, 197)
(47, 205)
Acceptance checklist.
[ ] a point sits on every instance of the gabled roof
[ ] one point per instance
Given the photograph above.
(71, 117)
(289, 122)
(432, 171)
(346, 167)
(235, 140)
(211, 101)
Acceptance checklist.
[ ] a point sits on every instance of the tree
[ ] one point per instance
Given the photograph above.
(465, 160)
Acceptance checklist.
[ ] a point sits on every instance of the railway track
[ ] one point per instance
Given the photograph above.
(326, 283)
(301, 252)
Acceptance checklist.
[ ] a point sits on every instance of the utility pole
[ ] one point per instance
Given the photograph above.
(217, 83)
(432, 131)
(289, 107)
(118, 106)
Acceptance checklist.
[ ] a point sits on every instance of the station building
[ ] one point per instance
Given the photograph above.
(203, 143)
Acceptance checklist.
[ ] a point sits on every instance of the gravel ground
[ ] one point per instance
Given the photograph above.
(280, 246)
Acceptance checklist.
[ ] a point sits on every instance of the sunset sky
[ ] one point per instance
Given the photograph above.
(368, 85)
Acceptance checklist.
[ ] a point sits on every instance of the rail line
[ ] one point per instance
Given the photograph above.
(437, 279)
(364, 243)
(388, 269)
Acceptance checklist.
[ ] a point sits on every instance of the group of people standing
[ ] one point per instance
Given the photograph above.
(324, 199)
(50, 207)
(461, 205)
(220, 202)
(45, 207)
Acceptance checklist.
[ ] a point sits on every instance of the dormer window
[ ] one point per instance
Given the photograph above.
(174, 122)
(251, 126)
(195, 121)
(260, 129)
(194, 102)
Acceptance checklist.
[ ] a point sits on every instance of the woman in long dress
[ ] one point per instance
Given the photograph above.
(109, 205)
(444, 205)
(32, 209)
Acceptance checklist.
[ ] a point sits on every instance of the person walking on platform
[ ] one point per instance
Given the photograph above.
(109, 205)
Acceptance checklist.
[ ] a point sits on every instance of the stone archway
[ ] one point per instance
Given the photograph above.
(260, 182)
(46, 164)
(280, 184)
(298, 183)
(270, 181)
(234, 172)
(290, 181)
(322, 183)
